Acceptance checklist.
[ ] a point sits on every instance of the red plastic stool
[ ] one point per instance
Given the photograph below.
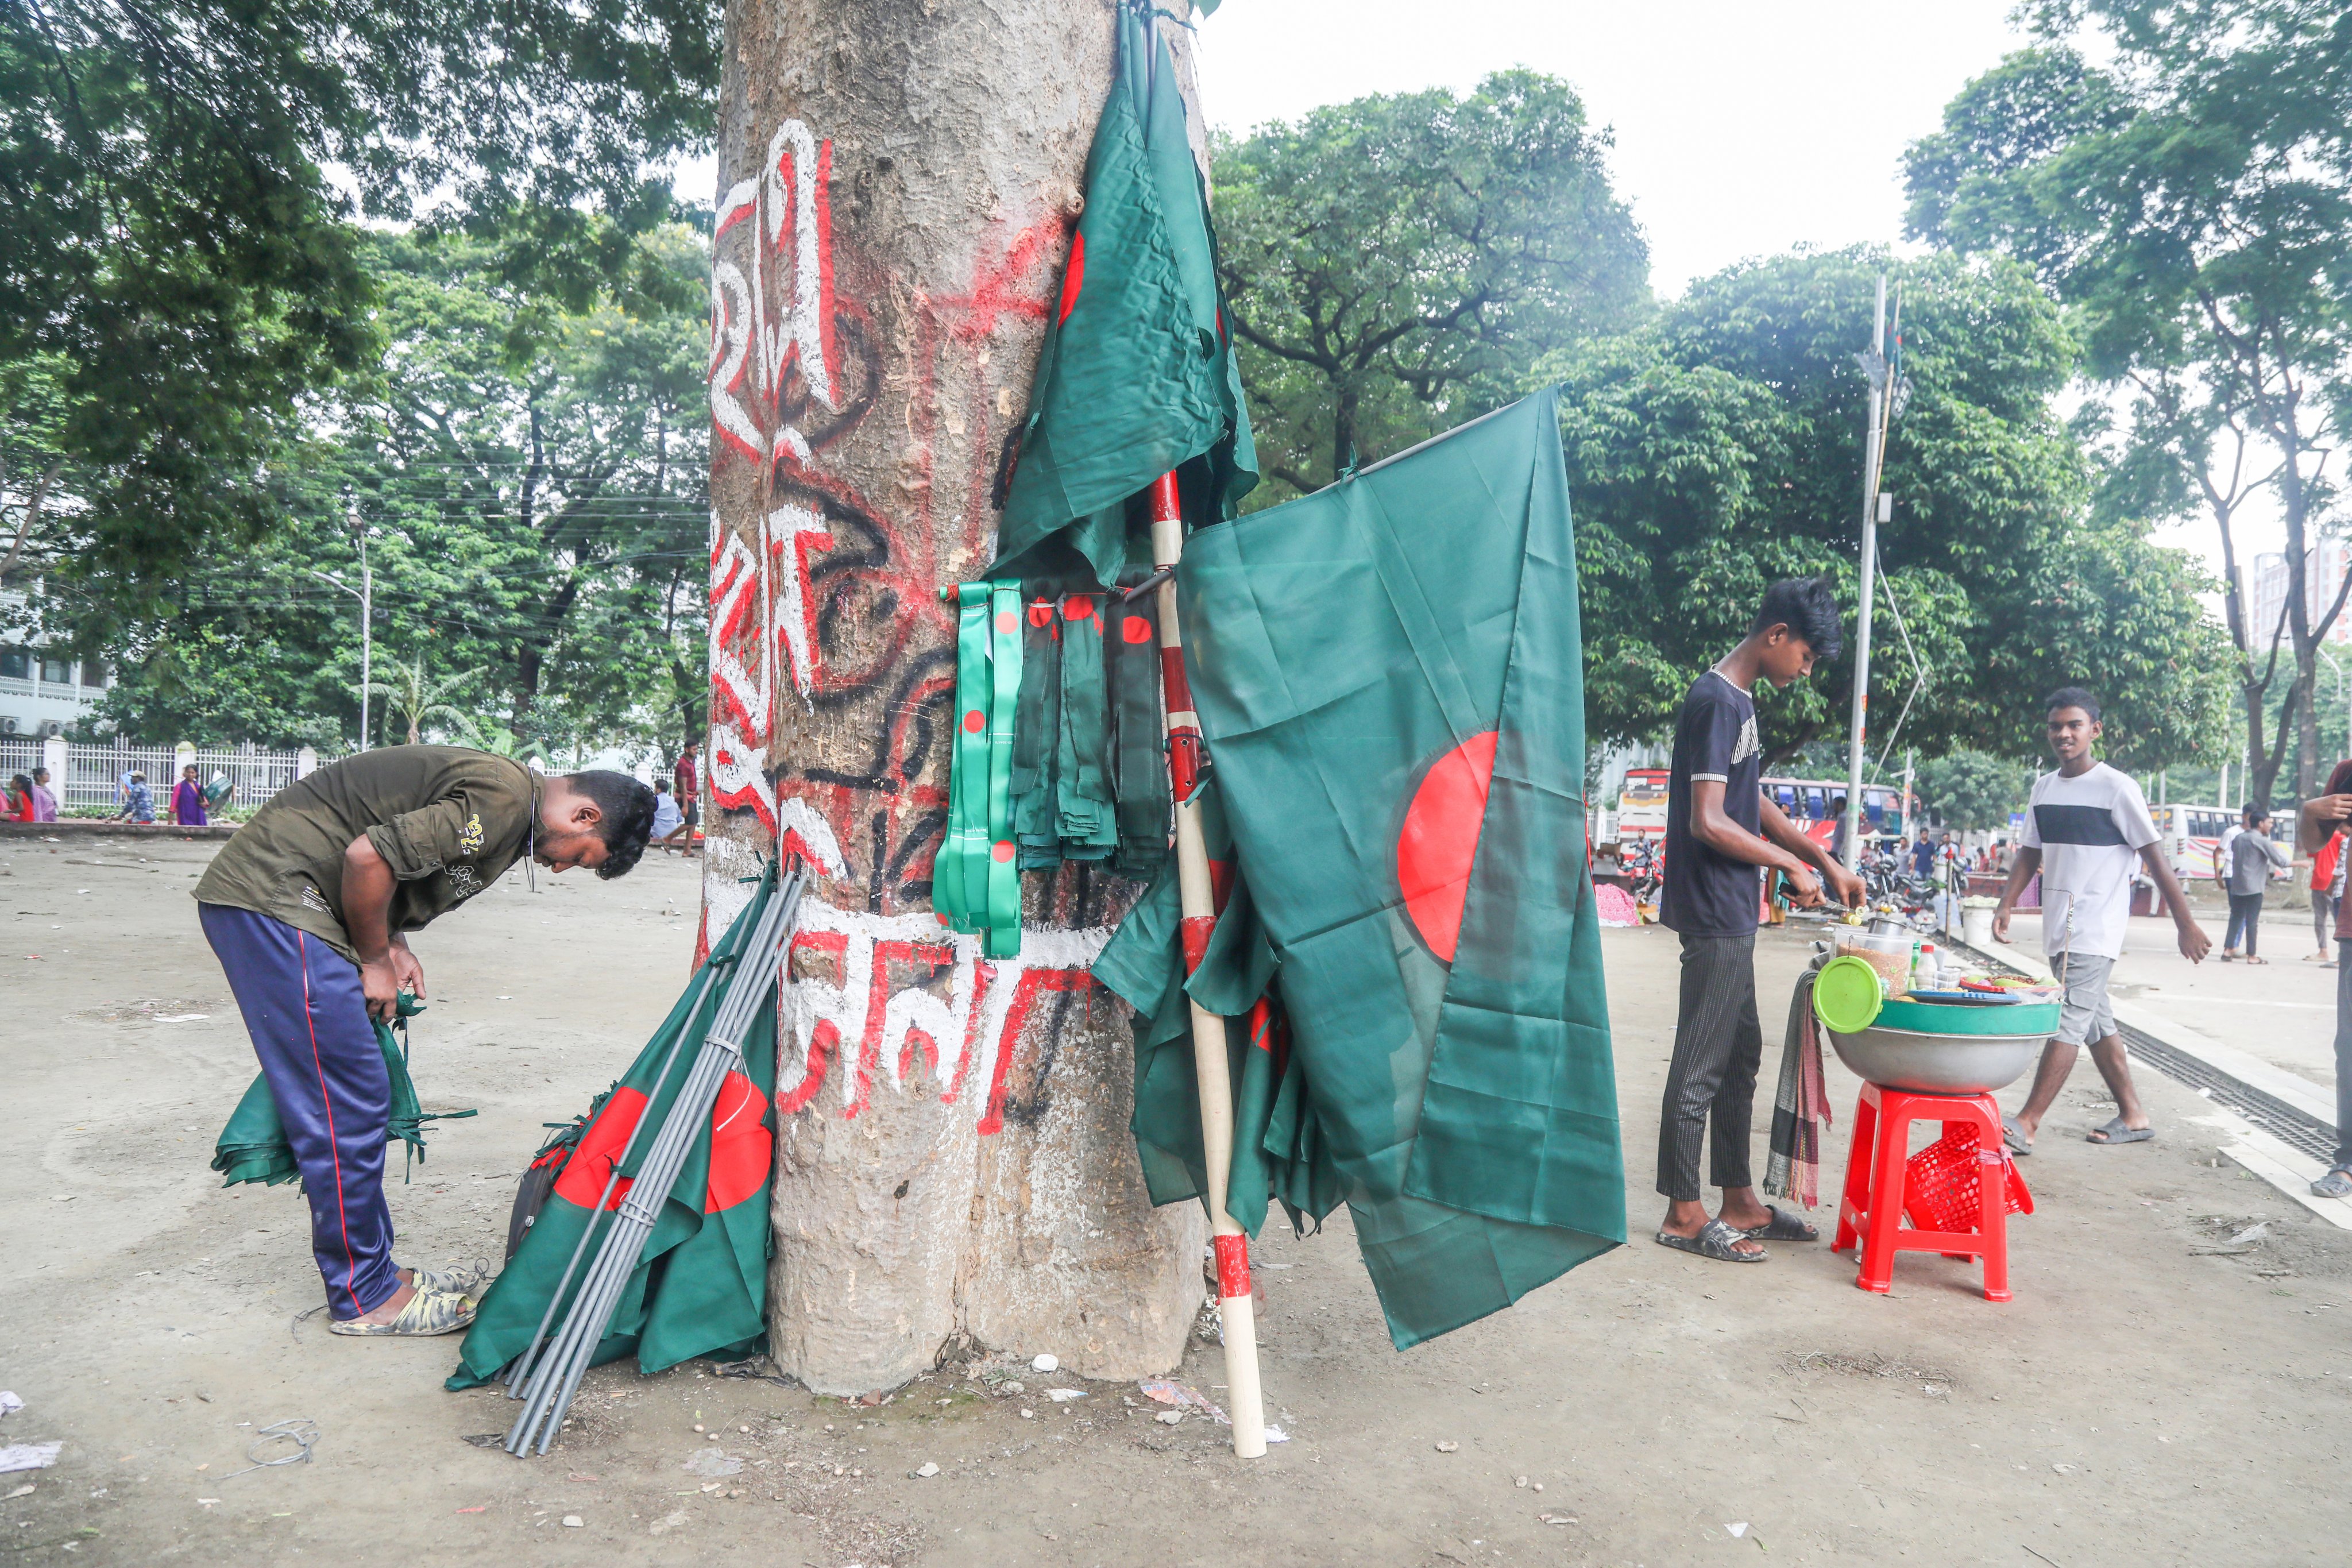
(1880, 1184)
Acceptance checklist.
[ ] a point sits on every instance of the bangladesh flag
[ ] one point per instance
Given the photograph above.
(1136, 375)
(1389, 675)
(701, 1284)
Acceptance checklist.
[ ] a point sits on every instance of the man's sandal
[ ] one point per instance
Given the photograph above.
(465, 1281)
(1715, 1239)
(2336, 1183)
(1781, 1227)
(2114, 1132)
(428, 1312)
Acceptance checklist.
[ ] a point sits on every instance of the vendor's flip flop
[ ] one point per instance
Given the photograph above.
(2114, 1131)
(2014, 1136)
(1715, 1239)
(2336, 1183)
(428, 1312)
(1781, 1227)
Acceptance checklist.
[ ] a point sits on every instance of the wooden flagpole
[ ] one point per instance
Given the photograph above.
(1235, 1315)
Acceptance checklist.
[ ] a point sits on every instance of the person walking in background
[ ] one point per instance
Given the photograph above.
(668, 821)
(2326, 895)
(2086, 827)
(2251, 856)
(138, 800)
(688, 783)
(44, 804)
(17, 804)
(2319, 825)
(1722, 831)
(188, 800)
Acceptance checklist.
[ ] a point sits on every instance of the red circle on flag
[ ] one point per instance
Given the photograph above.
(1006, 623)
(582, 1181)
(1078, 606)
(1136, 629)
(1439, 841)
(740, 1145)
(1003, 849)
(972, 722)
(1074, 277)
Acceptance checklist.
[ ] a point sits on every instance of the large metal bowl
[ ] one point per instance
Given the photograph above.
(1933, 1049)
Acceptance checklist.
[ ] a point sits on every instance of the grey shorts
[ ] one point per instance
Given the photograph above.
(2085, 1014)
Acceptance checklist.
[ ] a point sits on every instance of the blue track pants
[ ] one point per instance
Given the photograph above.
(308, 1015)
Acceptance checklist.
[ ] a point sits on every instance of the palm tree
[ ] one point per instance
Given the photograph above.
(501, 743)
(418, 701)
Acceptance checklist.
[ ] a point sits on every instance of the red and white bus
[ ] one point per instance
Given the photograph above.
(2192, 833)
(1641, 804)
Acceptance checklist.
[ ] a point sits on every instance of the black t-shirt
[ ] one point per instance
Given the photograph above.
(1708, 893)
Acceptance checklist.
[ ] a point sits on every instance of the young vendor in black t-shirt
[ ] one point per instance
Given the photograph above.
(1720, 829)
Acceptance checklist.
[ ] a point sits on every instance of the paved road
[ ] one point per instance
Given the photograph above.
(2283, 1012)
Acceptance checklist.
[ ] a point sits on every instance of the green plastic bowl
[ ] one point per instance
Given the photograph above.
(1848, 995)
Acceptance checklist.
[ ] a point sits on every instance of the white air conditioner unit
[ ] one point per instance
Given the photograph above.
(8, 726)
(52, 729)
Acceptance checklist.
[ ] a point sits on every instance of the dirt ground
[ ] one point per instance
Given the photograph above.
(2156, 1393)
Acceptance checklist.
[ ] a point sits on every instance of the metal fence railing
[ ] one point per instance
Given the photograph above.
(89, 779)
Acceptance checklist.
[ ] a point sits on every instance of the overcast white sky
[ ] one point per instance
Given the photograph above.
(1740, 129)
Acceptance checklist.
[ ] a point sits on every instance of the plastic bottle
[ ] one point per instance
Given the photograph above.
(1925, 968)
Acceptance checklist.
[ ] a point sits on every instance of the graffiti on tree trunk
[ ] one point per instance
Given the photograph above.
(823, 603)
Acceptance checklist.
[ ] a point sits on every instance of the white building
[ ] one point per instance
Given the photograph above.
(43, 690)
(2322, 578)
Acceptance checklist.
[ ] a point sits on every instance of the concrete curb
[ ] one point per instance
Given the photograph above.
(66, 832)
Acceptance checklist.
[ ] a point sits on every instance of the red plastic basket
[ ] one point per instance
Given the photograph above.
(1941, 1183)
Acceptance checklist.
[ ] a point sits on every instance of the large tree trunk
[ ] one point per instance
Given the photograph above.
(898, 180)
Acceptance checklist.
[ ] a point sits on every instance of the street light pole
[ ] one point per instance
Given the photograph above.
(365, 594)
(1875, 363)
(367, 627)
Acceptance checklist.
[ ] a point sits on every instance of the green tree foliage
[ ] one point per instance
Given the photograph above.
(532, 483)
(1972, 790)
(2190, 202)
(178, 273)
(1720, 447)
(1395, 264)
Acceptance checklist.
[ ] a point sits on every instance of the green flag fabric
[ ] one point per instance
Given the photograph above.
(1089, 772)
(252, 1146)
(975, 886)
(1136, 375)
(1389, 673)
(702, 1283)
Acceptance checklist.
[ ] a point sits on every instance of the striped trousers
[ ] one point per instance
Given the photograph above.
(1718, 1046)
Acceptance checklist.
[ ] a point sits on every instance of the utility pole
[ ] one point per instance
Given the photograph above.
(1874, 510)
(365, 594)
(367, 625)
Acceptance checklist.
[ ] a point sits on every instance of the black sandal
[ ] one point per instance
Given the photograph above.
(1715, 1239)
(1781, 1228)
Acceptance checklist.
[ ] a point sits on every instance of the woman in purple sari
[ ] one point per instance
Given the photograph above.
(188, 799)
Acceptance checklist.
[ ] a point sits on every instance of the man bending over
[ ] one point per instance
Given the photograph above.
(310, 908)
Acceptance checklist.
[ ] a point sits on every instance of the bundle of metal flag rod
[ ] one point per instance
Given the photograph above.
(548, 1371)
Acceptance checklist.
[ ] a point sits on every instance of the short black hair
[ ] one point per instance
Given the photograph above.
(1806, 605)
(2255, 813)
(628, 808)
(2071, 697)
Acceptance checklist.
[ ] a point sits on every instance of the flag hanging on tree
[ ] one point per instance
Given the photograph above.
(1136, 374)
(701, 1284)
(1389, 673)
